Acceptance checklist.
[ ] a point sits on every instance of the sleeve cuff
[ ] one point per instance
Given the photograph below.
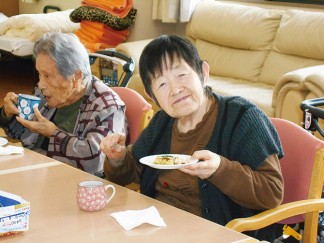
(3, 119)
(58, 140)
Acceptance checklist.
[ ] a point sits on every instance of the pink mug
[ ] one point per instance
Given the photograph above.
(92, 195)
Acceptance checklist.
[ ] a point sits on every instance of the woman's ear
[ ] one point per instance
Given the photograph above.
(205, 69)
(77, 78)
(151, 98)
(147, 94)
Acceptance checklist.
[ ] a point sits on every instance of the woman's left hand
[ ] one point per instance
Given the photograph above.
(41, 125)
(208, 164)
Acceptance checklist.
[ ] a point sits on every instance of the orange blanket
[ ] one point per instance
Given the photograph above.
(119, 8)
(89, 38)
(102, 32)
(97, 36)
(94, 46)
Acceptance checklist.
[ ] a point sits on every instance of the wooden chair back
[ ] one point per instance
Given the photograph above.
(303, 173)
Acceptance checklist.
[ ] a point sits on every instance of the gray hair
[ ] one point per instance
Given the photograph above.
(67, 51)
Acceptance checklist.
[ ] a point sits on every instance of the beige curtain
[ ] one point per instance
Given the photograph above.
(173, 11)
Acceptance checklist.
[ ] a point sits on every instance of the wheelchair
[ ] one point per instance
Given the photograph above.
(312, 113)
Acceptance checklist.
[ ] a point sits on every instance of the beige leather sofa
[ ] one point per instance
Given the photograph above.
(270, 56)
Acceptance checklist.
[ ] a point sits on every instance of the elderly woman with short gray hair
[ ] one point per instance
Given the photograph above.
(77, 110)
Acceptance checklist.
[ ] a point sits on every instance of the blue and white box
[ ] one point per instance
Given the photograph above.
(14, 214)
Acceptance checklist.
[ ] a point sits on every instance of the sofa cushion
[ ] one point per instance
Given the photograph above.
(298, 44)
(229, 62)
(258, 93)
(301, 33)
(232, 25)
(277, 64)
(234, 39)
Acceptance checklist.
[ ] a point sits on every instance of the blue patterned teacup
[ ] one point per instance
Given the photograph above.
(26, 104)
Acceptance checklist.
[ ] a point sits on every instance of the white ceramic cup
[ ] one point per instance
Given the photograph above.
(26, 104)
(92, 195)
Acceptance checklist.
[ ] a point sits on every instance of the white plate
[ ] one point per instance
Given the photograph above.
(149, 160)
(3, 141)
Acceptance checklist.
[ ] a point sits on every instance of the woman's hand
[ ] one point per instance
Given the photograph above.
(208, 164)
(113, 145)
(10, 104)
(41, 125)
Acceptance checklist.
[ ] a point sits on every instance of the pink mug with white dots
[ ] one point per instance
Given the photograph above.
(92, 195)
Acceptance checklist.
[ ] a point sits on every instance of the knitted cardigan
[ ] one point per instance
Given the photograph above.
(100, 113)
(242, 133)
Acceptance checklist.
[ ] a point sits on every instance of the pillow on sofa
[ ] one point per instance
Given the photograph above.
(232, 25)
(229, 62)
(298, 44)
(301, 33)
(234, 39)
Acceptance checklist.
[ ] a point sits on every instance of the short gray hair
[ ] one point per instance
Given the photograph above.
(67, 51)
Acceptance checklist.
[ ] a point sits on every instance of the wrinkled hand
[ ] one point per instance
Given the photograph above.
(113, 145)
(41, 125)
(10, 104)
(208, 164)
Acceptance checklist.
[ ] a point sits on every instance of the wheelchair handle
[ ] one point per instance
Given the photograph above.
(114, 53)
(312, 113)
(311, 106)
(128, 67)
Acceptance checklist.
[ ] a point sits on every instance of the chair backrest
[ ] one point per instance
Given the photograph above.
(138, 111)
(302, 167)
(303, 173)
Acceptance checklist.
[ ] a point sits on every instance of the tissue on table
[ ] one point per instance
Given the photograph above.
(130, 219)
(10, 149)
(14, 214)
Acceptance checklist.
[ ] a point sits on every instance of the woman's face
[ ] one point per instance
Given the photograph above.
(179, 91)
(55, 88)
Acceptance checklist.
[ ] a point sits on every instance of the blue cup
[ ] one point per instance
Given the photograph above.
(26, 104)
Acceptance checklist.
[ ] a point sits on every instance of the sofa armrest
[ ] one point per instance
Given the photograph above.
(133, 49)
(295, 87)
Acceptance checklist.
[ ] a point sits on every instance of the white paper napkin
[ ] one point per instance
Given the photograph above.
(11, 150)
(130, 219)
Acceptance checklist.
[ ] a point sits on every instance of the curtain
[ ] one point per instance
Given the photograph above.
(173, 11)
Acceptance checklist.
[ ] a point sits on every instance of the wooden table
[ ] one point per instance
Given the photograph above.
(55, 216)
(27, 161)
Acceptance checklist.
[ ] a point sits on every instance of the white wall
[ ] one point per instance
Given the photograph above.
(143, 28)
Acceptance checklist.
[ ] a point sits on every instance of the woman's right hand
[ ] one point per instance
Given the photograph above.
(113, 145)
(10, 104)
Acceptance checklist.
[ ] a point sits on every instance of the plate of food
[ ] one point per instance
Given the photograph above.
(3, 141)
(168, 161)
